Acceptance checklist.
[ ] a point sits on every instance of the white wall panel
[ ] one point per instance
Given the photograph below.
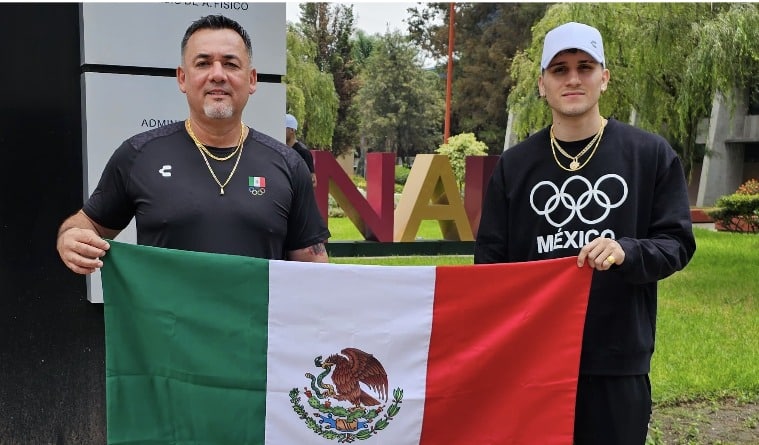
(149, 34)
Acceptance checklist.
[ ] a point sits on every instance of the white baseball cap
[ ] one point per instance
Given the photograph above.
(291, 122)
(569, 36)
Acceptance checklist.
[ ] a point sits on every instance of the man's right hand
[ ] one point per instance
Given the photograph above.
(80, 243)
(81, 249)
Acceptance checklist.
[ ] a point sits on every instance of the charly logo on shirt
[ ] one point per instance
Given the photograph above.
(257, 185)
(578, 198)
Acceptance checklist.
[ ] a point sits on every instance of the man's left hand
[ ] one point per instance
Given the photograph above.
(601, 254)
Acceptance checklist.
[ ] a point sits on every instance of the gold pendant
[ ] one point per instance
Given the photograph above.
(574, 165)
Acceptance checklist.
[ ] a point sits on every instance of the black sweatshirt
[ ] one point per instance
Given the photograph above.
(633, 189)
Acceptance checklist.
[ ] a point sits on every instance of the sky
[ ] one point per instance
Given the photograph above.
(371, 17)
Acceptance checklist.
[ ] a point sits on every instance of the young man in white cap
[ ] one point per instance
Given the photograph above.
(614, 196)
(291, 127)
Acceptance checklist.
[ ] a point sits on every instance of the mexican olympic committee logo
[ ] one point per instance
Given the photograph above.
(256, 185)
(577, 197)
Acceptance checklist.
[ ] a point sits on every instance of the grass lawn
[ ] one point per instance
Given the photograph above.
(342, 229)
(707, 340)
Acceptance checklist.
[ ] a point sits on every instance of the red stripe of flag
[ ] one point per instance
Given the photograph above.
(505, 352)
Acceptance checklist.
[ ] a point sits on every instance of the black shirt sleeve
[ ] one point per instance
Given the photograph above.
(305, 153)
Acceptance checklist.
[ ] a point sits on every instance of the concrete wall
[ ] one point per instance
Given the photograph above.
(52, 387)
(730, 130)
(693, 182)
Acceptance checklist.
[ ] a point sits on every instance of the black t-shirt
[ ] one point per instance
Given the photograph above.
(305, 153)
(160, 178)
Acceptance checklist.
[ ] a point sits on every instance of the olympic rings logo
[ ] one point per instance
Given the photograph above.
(593, 194)
(257, 191)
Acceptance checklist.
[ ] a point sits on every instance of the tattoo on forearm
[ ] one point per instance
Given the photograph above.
(318, 249)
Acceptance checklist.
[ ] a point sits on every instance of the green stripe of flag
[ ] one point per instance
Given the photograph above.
(192, 363)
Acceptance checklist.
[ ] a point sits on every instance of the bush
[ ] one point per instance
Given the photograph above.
(401, 174)
(334, 210)
(738, 212)
(458, 148)
(359, 181)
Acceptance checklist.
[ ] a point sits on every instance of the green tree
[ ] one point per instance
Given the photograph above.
(311, 96)
(487, 35)
(667, 60)
(363, 45)
(428, 27)
(457, 149)
(400, 103)
(329, 27)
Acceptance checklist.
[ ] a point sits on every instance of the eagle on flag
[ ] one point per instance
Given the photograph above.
(359, 367)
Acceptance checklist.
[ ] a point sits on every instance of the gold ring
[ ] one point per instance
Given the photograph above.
(611, 260)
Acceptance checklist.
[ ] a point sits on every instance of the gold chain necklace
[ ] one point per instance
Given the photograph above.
(575, 164)
(204, 151)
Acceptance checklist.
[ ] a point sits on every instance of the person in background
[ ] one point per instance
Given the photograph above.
(616, 197)
(291, 127)
(209, 183)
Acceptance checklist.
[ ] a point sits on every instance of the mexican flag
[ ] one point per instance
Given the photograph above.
(219, 349)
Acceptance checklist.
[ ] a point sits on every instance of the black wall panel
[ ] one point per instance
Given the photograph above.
(52, 388)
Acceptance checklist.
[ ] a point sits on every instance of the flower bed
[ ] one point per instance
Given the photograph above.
(700, 215)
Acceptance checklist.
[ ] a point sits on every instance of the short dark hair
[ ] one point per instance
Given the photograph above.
(217, 22)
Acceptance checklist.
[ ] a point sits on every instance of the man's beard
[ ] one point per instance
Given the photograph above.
(219, 110)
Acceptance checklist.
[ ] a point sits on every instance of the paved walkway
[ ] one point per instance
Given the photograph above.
(709, 226)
